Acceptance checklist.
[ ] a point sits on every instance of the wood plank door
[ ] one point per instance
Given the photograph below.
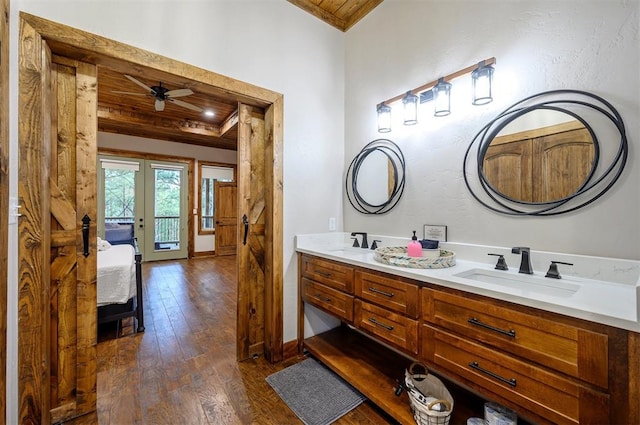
(4, 196)
(225, 217)
(251, 232)
(57, 281)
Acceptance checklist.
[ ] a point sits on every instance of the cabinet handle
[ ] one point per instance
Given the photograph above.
(386, 294)
(512, 381)
(511, 333)
(325, 274)
(323, 298)
(375, 322)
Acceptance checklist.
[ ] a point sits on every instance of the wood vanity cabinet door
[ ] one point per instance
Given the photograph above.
(553, 398)
(393, 328)
(391, 293)
(328, 299)
(534, 336)
(331, 273)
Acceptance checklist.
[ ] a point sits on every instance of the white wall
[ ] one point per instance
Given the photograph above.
(539, 46)
(162, 147)
(269, 43)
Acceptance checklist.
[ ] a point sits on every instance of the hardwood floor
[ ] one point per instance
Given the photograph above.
(183, 368)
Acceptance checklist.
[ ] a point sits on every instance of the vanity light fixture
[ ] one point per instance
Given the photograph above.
(442, 97)
(481, 79)
(384, 118)
(439, 90)
(410, 102)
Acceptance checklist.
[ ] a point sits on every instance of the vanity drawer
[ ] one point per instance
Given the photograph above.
(392, 293)
(578, 352)
(328, 299)
(335, 275)
(391, 327)
(556, 399)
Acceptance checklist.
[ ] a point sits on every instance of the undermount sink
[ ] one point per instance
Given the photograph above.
(522, 282)
(351, 252)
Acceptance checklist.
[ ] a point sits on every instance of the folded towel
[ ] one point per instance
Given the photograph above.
(429, 244)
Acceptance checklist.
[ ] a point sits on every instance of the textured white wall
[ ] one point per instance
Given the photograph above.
(539, 46)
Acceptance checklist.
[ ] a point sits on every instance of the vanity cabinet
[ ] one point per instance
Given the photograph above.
(557, 370)
(548, 367)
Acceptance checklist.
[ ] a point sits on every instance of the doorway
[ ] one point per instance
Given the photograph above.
(147, 200)
(260, 139)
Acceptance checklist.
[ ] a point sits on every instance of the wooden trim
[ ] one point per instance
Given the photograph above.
(274, 230)
(290, 349)
(91, 48)
(190, 183)
(33, 257)
(4, 196)
(198, 254)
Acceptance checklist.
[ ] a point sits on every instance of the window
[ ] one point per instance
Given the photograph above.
(210, 172)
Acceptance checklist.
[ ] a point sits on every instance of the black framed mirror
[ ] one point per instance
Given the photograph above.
(548, 154)
(376, 177)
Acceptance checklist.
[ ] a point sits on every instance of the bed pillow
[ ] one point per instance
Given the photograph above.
(103, 245)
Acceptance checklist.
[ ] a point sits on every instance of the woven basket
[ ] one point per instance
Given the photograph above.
(397, 256)
(431, 402)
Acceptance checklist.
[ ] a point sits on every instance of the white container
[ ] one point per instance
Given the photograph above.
(430, 253)
(496, 414)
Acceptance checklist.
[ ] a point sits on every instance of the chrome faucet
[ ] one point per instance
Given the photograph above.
(364, 243)
(525, 263)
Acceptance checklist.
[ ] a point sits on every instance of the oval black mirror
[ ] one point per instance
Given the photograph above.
(548, 154)
(375, 177)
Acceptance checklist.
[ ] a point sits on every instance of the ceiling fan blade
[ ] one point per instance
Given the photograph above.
(179, 93)
(141, 84)
(185, 105)
(159, 105)
(129, 93)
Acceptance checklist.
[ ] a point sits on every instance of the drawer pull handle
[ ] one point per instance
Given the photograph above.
(325, 274)
(512, 381)
(375, 322)
(323, 298)
(386, 294)
(511, 333)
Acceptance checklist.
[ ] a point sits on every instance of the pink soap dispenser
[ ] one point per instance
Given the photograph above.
(414, 249)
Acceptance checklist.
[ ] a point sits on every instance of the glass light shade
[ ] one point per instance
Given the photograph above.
(410, 102)
(442, 98)
(481, 79)
(384, 118)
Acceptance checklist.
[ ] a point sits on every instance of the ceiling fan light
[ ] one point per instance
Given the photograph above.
(159, 105)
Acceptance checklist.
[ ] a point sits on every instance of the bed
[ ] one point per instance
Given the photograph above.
(120, 284)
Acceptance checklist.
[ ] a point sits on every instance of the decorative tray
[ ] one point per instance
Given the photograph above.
(397, 256)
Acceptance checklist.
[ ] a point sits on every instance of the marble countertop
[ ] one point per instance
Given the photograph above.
(609, 288)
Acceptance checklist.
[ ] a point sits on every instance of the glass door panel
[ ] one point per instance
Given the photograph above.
(166, 212)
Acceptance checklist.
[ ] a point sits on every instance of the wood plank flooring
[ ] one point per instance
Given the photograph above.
(183, 368)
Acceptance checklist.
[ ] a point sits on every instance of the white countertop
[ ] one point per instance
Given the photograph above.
(609, 288)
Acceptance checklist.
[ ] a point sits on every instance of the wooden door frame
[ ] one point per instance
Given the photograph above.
(4, 197)
(79, 45)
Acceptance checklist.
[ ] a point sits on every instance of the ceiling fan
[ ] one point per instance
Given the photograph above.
(161, 94)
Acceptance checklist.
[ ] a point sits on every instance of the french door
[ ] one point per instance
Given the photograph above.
(146, 199)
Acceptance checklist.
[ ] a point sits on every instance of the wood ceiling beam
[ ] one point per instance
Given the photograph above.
(229, 124)
(136, 119)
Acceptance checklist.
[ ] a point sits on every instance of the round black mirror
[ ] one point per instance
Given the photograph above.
(375, 178)
(548, 154)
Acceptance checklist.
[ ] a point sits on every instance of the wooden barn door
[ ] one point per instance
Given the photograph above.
(57, 248)
(251, 232)
(73, 239)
